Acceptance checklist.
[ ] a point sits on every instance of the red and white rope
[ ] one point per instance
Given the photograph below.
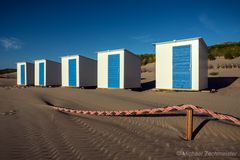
(151, 111)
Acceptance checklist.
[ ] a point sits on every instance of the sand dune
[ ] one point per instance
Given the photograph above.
(221, 61)
(35, 131)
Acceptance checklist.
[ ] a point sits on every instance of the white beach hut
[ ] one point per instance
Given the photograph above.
(47, 73)
(182, 64)
(118, 69)
(79, 71)
(25, 73)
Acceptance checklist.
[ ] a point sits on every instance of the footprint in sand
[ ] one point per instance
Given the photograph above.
(9, 113)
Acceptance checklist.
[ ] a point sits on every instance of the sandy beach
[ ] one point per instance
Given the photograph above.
(31, 129)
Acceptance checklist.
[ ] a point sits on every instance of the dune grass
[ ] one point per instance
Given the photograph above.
(7, 70)
(213, 73)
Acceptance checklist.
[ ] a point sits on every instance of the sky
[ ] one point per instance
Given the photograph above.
(49, 29)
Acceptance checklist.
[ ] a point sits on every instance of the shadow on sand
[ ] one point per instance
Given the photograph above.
(220, 82)
(148, 85)
(213, 83)
(197, 129)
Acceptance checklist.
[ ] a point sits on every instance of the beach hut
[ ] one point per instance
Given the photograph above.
(79, 71)
(182, 64)
(47, 73)
(118, 69)
(25, 73)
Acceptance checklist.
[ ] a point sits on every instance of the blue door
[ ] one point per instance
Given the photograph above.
(113, 71)
(72, 70)
(182, 67)
(41, 74)
(22, 74)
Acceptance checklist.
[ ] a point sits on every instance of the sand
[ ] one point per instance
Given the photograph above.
(31, 129)
(8, 79)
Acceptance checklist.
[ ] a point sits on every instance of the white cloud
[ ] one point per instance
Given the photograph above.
(11, 43)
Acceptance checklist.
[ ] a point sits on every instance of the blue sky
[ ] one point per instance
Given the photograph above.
(50, 29)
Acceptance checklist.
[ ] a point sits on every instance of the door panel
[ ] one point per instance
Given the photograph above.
(182, 67)
(41, 74)
(72, 71)
(114, 71)
(22, 74)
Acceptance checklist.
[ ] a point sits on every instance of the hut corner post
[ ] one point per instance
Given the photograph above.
(189, 123)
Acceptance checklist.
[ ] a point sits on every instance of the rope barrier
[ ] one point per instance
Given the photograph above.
(151, 111)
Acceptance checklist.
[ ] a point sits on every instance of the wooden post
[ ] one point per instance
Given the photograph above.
(189, 124)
